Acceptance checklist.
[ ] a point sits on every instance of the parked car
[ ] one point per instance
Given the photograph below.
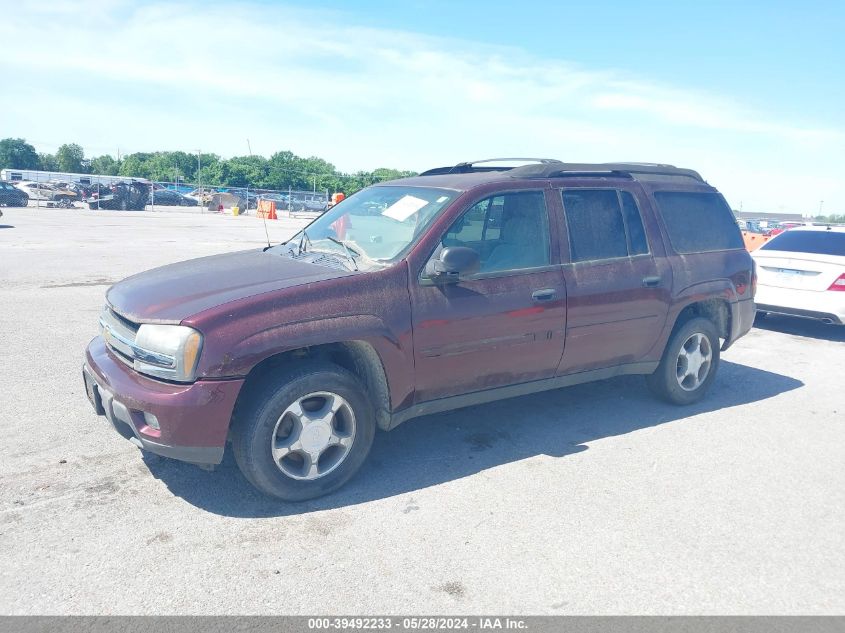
(280, 199)
(49, 191)
(35, 190)
(168, 197)
(202, 196)
(250, 197)
(318, 205)
(11, 196)
(801, 272)
(64, 190)
(752, 226)
(132, 195)
(299, 352)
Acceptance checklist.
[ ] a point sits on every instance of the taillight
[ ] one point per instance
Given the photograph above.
(839, 284)
(753, 278)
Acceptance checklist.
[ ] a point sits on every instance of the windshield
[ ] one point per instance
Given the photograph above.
(817, 242)
(376, 225)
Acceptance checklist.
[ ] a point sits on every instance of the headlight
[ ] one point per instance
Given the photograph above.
(167, 351)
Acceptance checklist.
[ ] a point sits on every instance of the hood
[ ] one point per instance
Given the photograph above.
(173, 293)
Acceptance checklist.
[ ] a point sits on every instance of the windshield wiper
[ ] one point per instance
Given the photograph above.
(302, 241)
(347, 249)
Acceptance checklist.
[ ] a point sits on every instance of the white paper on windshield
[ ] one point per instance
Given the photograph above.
(404, 208)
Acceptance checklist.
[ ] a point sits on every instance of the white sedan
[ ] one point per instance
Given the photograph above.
(801, 272)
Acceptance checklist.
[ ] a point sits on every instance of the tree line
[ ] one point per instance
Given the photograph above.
(281, 171)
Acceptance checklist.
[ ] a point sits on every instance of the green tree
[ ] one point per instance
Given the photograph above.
(282, 170)
(135, 165)
(16, 153)
(166, 166)
(832, 219)
(383, 173)
(247, 171)
(105, 165)
(47, 162)
(71, 158)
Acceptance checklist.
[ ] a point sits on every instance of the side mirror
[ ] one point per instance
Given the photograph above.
(454, 261)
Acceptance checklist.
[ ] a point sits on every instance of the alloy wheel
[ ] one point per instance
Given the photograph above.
(313, 436)
(695, 359)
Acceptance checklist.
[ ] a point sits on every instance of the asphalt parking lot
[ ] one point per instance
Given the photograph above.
(593, 499)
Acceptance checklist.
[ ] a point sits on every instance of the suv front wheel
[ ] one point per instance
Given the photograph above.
(305, 432)
(689, 363)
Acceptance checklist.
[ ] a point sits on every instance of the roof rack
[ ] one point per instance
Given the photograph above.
(553, 168)
(481, 166)
(556, 169)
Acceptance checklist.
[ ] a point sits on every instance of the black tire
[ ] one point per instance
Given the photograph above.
(255, 422)
(664, 382)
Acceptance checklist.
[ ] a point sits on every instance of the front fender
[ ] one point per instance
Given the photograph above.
(240, 335)
(277, 339)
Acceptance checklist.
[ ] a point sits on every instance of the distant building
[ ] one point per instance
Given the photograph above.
(59, 176)
(779, 217)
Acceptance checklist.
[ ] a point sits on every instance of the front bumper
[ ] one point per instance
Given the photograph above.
(193, 418)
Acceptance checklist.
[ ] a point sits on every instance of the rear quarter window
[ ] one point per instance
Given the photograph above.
(816, 242)
(698, 222)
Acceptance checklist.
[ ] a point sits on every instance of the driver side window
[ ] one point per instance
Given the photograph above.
(509, 231)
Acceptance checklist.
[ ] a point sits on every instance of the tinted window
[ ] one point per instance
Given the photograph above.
(637, 243)
(600, 227)
(509, 231)
(818, 242)
(698, 221)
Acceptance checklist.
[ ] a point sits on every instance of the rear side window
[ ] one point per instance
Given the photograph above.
(637, 244)
(698, 222)
(817, 242)
(603, 224)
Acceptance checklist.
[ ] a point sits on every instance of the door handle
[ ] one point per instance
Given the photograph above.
(546, 294)
(651, 282)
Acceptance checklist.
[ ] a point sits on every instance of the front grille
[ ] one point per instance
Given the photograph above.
(119, 334)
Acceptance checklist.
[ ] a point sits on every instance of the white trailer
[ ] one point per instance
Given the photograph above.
(15, 175)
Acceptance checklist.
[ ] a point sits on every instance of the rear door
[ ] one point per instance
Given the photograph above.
(618, 291)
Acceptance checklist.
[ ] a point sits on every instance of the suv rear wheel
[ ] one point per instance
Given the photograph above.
(689, 363)
(305, 433)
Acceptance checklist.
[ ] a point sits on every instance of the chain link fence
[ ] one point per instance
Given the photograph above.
(95, 191)
(211, 197)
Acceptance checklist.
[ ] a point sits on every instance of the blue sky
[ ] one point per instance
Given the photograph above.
(751, 94)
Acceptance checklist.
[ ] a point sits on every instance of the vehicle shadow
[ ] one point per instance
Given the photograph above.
(438, 448)
(7, 226)
(797, 326)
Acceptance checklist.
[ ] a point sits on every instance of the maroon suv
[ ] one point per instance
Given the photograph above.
(460, 286)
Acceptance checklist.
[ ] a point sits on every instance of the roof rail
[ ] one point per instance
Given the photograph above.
(553, 169)
(481, 166)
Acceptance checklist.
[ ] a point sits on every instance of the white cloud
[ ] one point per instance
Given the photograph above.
(182, 76)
